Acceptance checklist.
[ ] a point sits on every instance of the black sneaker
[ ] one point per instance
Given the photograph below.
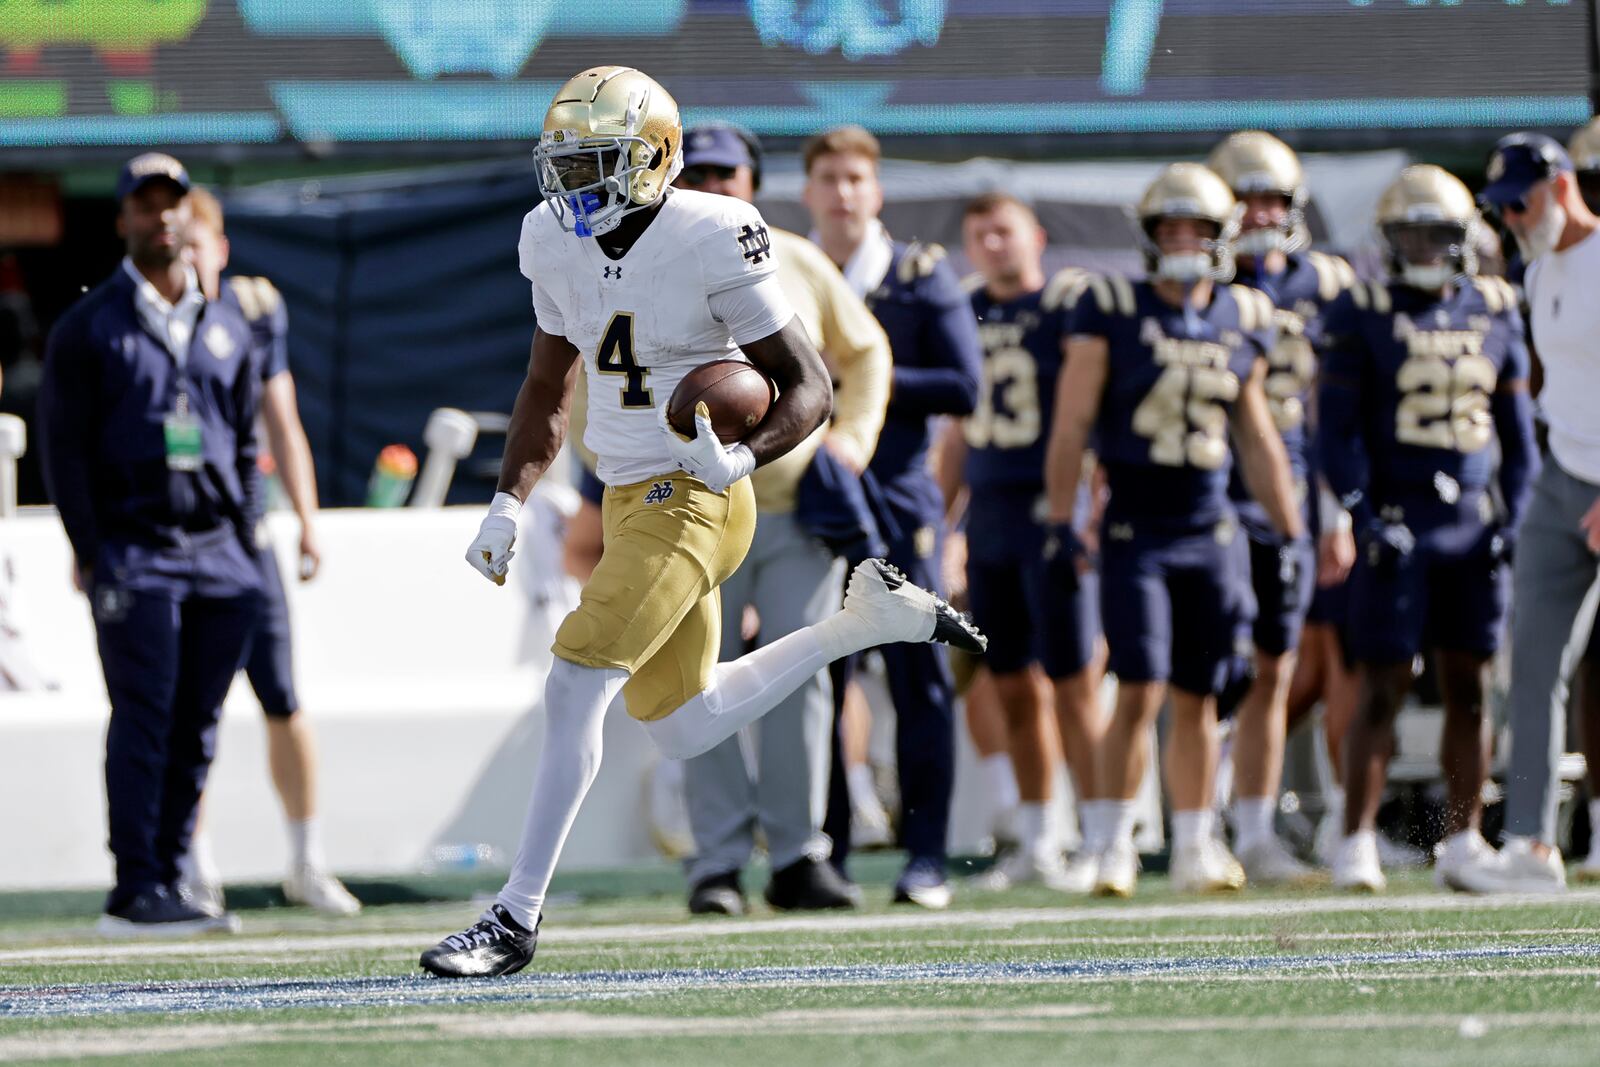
(720, 894)
(494, 945)
(161, 912)
(811, 885)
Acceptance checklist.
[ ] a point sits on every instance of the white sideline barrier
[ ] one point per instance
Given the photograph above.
(421, 681)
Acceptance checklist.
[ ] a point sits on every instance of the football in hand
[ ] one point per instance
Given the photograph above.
(737, 395)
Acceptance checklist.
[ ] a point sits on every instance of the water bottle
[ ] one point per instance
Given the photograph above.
(392, 476)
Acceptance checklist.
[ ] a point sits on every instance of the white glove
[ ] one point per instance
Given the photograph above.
(490, 552)
(704, 457)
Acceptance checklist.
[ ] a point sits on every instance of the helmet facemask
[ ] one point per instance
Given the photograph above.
(1289, 234)
(1213, 259)
(1429, 254)
(590, 182)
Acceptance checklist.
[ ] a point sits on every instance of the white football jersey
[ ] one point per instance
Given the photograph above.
(644, 321)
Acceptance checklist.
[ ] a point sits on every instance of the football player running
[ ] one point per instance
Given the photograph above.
(1419, 376)
(638, 284)
(1022, 321)
(1159, 370)
(1265, 175)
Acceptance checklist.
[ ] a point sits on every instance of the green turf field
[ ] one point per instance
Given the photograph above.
(1293, 979)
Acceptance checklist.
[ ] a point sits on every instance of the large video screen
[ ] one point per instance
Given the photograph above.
(101, 72)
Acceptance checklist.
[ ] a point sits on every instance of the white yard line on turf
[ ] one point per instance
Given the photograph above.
(862, 1022)
(684, 932)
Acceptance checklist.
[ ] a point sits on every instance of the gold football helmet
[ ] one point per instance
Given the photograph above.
(1429, 227)
(1252, 161)
(612, 143)
(1584, 148)
(1189, 191)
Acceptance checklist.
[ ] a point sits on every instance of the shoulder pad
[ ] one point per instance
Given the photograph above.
(1334, 275)
(1374, 295)
(1497, 294)
(1256, 310)
(1113, 294)
(1063, 290)
(919, 261)
(257, 297)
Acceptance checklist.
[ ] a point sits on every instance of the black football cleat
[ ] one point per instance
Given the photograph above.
(811, 885)
(494, 945)
(719, 894)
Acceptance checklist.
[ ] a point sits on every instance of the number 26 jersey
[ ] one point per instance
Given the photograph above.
(699, 282)
(1172, 377)
(1425, 368)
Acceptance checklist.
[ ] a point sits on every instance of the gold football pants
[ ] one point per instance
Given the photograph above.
(651, 607)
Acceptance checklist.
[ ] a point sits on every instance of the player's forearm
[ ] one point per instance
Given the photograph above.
(805, 395)
(539, 416)
(951, 455)
(1519, 456)
(1269, 479)
(291, 451)
(1063, 468)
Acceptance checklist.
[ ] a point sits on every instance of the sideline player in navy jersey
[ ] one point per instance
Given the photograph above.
(1022, 322)
(269, 665)
(1265, 175)
(1159, 370)
(934, 341)
(1420, 377)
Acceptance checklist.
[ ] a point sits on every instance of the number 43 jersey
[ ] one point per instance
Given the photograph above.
(1425, 369)
(699, 282)
(1007, 431)
(1172, 377)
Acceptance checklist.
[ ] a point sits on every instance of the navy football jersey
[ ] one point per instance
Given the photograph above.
(262, 307)
(1022, 338)
(1172, 377)
(1425, 368)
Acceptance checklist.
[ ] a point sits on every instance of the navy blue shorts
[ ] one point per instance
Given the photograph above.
(1282, 590)
(1446, 593)
(1330, 605)
(269, 663)
(1010, 595)
(1171, 602)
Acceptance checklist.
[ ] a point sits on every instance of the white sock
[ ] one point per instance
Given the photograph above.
(1118, 824)
(1032, 831)
(199, 866)
(1092, 819)
(1191, 828)
(575, 701)
(1252, 820)
(741, 691)
(1001, 780)
(862, 787)
(305, 844)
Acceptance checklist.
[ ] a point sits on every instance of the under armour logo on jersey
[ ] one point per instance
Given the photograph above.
(660, 493)
(755, 243)
(613, 272)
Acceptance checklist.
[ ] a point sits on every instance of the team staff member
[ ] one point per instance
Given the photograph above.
(1160, 370)
(934, 339)
(790, 578)
(291, 746)
(1419, 376)
(1534, 189)
(148, 430)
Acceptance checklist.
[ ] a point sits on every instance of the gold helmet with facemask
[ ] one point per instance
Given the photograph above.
(1428, 225)
(612, 143)
(1255, 162)
(1189, 191)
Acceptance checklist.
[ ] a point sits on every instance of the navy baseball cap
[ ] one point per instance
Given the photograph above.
(1518, 163)
(715, 146)
(149, 167)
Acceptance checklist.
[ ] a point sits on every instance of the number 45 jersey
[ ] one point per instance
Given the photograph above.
(699, 282)
(1172, 377)
(1424, 369)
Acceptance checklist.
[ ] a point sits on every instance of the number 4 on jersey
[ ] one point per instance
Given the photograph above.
(615, 356)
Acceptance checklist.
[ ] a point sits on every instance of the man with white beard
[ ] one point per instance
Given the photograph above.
(1531, 185)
